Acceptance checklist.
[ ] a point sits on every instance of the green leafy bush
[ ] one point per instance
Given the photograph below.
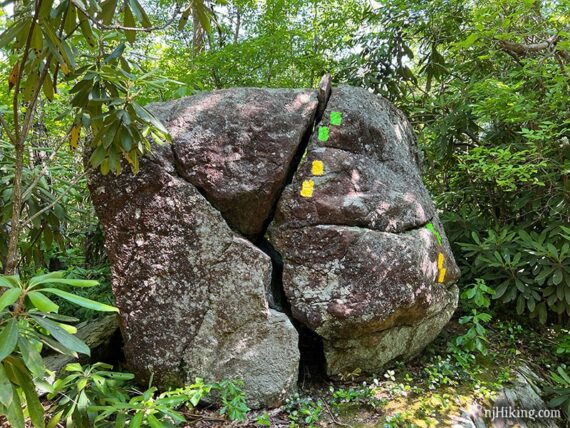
(29, 322)
(83, 388)
(476, 298)
(96, 396)
(560, 392)
(528, 269)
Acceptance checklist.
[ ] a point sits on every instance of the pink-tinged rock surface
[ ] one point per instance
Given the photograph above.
(191, 292)
(372, 171)
(360, 267)
(237, 146)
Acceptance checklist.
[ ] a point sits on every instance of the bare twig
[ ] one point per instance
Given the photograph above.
(45, 167)
(335, 420)
(102, 26)
(7, 129)
(521, 49)
(55, 201)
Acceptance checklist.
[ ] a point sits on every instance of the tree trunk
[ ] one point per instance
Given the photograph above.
(197, 34)
(12, 256)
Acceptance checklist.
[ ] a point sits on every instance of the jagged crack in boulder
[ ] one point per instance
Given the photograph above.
(360, 267)
(237, 145)
(190, 290)
(366, 265)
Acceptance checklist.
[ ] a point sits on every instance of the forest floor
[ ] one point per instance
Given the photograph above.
(444, 387)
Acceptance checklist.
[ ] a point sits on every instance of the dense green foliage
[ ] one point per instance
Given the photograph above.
(485, 84)
(30, 322)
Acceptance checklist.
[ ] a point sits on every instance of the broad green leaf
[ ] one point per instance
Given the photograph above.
(146, 116)
(45, 8)
(6, 393)
(98, 156)
(87, 31)
(136, 422)
(67, 340)
(8, 338)
(70, 19)
(107, 11)
(15, 414)
(81, 301)
(56, 346)
(69, 328)
(12, 31)
(55, 419)
(73, 367)
(139, 13)
(115, 54)
(9, 297)
(203, 14)
(41, 279)
(121, 420)
(557, 276)
(36, 41)
(129, 21)
(10, 281)
(82, 283)
(117, 375)
(33, 404)
(61, 318)
(154, 422)
(564, 375)
(59, 48)
(42, 302)
(31, 357)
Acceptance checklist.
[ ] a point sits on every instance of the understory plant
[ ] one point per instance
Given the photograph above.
(29, 322)
(530, 270)
(95, 396)
(476, 299)
(560, 392)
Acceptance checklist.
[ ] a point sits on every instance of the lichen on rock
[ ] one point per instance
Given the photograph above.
(190, 247)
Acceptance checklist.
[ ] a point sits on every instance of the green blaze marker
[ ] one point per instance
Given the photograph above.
(323, 133)
(336, 118)
(433, 230)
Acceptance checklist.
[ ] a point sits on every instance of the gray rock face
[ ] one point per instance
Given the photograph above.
(237, 145)
(191, 292)
(360, 267)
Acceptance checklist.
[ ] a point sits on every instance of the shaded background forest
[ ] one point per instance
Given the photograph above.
(485, 85)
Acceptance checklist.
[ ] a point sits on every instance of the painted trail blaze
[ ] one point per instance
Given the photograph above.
(318, 168)
(336, 118)
(323, 133)
(433, 230)
(307, 189)
(441, 276)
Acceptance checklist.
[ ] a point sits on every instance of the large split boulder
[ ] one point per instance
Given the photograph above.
(361, 256)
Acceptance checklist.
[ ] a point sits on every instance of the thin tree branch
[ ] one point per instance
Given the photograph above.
(521, 49)
(45, 167)
(102, 26)
(55, 201)
(15, 101)
(7, 129)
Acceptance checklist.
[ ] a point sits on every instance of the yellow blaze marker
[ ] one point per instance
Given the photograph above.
(318, 167)
(441, 276)
(307, 189)
(440, 261)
